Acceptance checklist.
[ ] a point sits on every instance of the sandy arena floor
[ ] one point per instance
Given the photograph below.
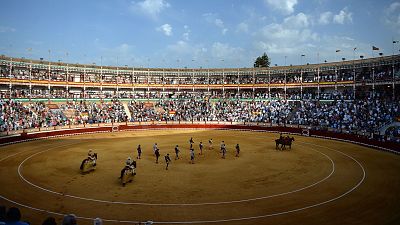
(317, 182)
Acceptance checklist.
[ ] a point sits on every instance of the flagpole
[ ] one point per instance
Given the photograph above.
(393, 76)
(354, 73)
(67, 77)
(393, 47)
(30, 73)
(336, 55)
(49, 87)
(372, 51)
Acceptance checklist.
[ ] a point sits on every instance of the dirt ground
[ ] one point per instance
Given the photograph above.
(317, 182)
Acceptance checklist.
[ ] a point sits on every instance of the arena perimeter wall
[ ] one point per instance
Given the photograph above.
(386, 146)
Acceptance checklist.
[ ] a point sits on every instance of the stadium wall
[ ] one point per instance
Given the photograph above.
(360, 140)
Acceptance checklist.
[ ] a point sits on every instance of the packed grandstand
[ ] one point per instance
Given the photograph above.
(358, 96)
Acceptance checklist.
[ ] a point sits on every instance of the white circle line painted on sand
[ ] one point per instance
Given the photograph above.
(283, 212)
(12, 155)
(226, 220)
(172, 204)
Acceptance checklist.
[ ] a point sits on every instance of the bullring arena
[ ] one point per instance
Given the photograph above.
(342, 167)
(142, 112)
(318, 181)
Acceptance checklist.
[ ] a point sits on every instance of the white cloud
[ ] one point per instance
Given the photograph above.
(124, 48)
(392, 16)
(225, 51)
(186, 34)
(192, 54)
(393, 7)
(209, 17)
(151, 8)
(242, 27)
(123, 52)
(300, 20)
(343, 16)
(329, 44)
(188, 54)
(297, 34)
(325, 18)
(4, 29)
(212, 18)
(293, 35)
(219, 23)
(317, 49)
(280, 40)
(185, 50)
(166, 29)
(181, 47)
(285, 6)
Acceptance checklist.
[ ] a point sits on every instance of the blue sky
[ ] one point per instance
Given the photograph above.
(189, 33)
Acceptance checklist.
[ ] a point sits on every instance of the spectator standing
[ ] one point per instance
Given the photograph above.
(13, 217)
(49, 221)
(69, 219)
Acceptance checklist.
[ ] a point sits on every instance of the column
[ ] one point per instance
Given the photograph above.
(318, 87)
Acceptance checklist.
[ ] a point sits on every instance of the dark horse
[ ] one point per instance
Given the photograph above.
(284, 141)
(86, 161)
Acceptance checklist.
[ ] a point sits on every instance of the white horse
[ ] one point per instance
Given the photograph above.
(88, 165)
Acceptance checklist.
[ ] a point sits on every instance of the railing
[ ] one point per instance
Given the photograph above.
(147, 123)
(7, 80)
(348, 136)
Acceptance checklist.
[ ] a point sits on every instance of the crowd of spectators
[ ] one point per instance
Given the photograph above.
(392, 134)
(364, 115)
(141, 111)
(16, 116)
(13, 216)
(93, 112)
(183, 109)
(358, 116)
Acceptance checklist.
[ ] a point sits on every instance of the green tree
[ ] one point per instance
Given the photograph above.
(262, 61)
